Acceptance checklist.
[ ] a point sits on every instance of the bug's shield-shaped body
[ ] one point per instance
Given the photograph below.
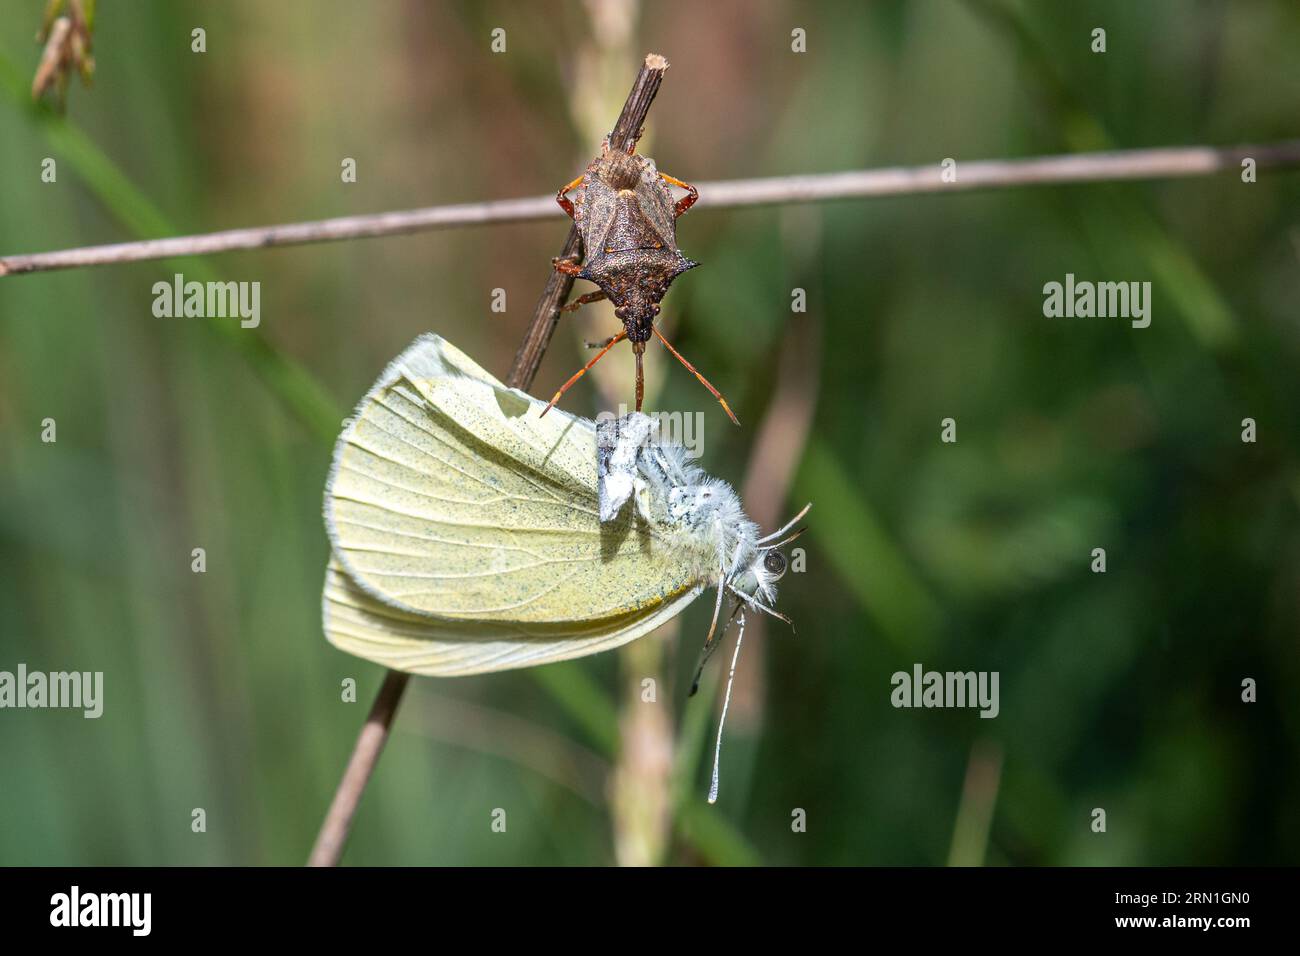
(626, 215)
(466, 535)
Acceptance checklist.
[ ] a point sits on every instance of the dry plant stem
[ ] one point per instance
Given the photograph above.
(290, 234)
(374, 734)
(1174, 162)
(1133, 164)
(370, 743)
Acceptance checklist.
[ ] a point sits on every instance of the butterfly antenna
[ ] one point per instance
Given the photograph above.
(726, 702)
(785, 527)
(583, 371)
(696, 372)
(794, 536)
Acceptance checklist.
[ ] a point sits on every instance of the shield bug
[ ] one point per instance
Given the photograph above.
(625, 211)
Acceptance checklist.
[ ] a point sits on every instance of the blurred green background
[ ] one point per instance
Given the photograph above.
(1118, 690)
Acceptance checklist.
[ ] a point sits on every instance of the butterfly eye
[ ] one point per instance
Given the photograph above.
(774, 563)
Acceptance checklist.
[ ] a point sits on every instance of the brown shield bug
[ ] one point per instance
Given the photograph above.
(627, 216)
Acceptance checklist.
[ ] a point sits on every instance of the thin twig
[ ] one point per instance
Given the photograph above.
(1133, 164)
(1175, 162)
(370, 743)
(374, 733)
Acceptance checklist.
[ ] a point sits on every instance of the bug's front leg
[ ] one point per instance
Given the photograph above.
(584, 300)
(687, 201)
(569, 265)
(562, 196)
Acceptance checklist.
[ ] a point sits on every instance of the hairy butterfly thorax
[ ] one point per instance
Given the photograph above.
(672, 492)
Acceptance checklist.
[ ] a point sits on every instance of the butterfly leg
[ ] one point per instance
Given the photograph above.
(714, 637)
(759, 605)
(711, 643)
(687, 201)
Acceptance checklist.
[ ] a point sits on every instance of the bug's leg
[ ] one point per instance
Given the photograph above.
(562, 196)
(569, 266)
(582, 371)
(694, 371)
(601, 345)
(687, 201)
(582, 300)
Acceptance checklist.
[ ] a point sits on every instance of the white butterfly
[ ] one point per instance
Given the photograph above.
(467, 535)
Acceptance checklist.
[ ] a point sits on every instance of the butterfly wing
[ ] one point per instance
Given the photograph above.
(466, 534)
(359, 624)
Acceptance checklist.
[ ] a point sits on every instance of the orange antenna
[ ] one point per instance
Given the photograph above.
(694, 371)
(583, 371)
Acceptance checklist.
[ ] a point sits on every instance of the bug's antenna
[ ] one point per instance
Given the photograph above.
(583, 371)
(696, 372)
(785, 527)
(726, 702)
